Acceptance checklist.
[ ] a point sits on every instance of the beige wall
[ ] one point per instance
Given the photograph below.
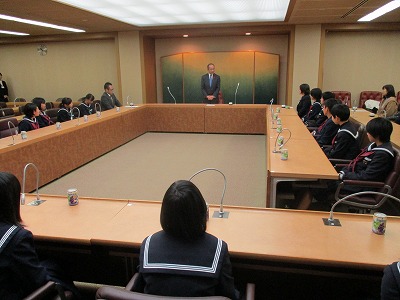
(70, 69)
(359, 61)
(306, 58)
(277, 44)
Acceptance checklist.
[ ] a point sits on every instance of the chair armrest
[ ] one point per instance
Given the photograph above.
(131, 282)
(311, 129)
(373, 184)
(43, 291)
(114, 293)
(250, 291)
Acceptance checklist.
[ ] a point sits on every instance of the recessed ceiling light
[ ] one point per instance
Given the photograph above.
(178, 12)
(37, 23)
(248, 33)
(381, 11)
(185, 35)
(13, 32)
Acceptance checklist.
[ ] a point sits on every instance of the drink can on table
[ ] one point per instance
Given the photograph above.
(379, 223)
(72, 195)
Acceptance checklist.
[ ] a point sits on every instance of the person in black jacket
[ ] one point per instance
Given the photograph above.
(64, 113)
(85, 107)
(183, 260)
(316, 107)
(325, 133)
(373, 164)
(3, 90)
(304, 104)
(321, 118)
(29, 122)
(390, 286)
(21, 272)
(344, 144)
(43, 119)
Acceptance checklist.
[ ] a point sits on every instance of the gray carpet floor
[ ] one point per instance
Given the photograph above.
(145, 167)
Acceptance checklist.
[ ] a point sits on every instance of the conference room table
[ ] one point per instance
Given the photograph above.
(98, 230)
(306, 160)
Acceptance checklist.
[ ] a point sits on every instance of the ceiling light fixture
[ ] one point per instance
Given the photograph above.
(381, 11)
(13, 32)
(37, 23)
(185, 35)
(248, 33)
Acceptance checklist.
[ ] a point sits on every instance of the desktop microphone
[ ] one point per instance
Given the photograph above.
(171, 94)
(127, 100)
(236, 91)
(221, 213)
(22, 199)
(283, 144)
(335, 222)
(72, 113)
(12, 132)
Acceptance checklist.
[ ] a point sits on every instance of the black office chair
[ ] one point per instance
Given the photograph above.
(114, 293)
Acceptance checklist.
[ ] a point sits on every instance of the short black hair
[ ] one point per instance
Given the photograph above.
(305, 88)
(328, 95)
(29, 109)
(183, 211)
(390, 91)
(316, 93)
(38, 101)
(88, 97)
(342, 111)
(10, 190)
(65, 101)
(107, 85)
(330, 103)
(380, 128)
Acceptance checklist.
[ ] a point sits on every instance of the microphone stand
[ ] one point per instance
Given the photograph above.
(98, 110)
(335, 222)
(127, 100)
(22, 199)
(72, 114)
(12, 132)
(171, 94)
(221, 213)
(236, 91)
(272, 113)
(281, 146)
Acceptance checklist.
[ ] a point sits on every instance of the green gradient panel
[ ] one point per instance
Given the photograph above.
(172, 77)
(233, 67)
(266, 77)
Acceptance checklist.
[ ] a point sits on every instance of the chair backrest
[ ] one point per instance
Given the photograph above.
(20, 100)
(3, 105)
(49, 105)
(343, 96)
(6, 112)
(52, 113)
(4, 130)
(59, 99)
(398, 97)
(366, 95)
(393, 178)
(114, 293)
(362, 138)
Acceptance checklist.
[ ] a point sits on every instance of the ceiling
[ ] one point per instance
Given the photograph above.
(299, 12)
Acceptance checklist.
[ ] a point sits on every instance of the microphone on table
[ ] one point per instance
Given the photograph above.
(72, 113)
(171, 94)
(12, 132)
(335, 222)
(283, 144)
(236, 91)
(22, 199)
(221, 213)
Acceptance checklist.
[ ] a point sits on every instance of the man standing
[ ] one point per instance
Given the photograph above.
(108, 99)
(3, 90)
(210, 85)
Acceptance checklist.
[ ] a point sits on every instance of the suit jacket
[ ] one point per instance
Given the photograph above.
(108, 102)
(207, 90)
(3, 92)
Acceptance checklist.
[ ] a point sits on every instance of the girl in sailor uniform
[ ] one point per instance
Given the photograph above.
(64, 113)
(29, 121)
(183, 259)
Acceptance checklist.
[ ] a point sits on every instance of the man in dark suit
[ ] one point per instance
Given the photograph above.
(3, 90)
(108, 99)
(210, 85)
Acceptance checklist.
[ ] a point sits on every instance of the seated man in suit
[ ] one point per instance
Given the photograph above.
(210, 85)
(108, 99)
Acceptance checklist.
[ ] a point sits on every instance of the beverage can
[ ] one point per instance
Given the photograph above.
(284, 154)
(278, 110)
(58, 125)
(117, 108)
(275, 116)
(379, 223)
(279, 128)
(24, 136)
(72, 195)
(85, 118)
(98, 114)
(279, 121)
(280, 140)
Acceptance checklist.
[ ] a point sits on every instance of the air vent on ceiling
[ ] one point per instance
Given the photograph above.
(354, 8)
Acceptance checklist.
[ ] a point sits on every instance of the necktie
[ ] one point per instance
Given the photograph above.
(210, 80)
